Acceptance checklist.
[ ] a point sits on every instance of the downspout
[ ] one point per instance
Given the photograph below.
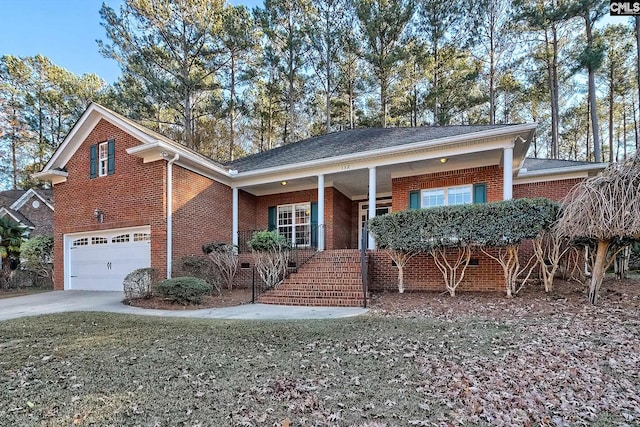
(176, 156)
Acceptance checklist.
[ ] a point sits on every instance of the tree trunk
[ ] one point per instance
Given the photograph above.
(400, 277)
(383, 99)
(597, 275)
(595, 129)
(611, 76)
(436, 109)
(552, 71)
(637, 25)
(328, 71)
(232, 108)
(492, 71)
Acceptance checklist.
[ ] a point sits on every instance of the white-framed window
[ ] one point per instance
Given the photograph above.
(141, 237)
(445, 196)
(123, 238)
(294, 222)
(103, 158)
(81, 242)
(99, 241)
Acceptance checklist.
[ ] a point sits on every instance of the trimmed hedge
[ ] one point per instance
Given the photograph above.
(495, 224)
(268, 241)
(184, 290)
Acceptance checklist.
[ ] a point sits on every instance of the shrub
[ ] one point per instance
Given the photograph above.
(200, 267)
(268, 241)
(138, 284)
(224, 257)
(184, 290)
(271, 256)
(449, 234)
(37, 260)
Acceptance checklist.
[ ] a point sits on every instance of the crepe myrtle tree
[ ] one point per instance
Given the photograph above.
(224, 257)
(502, 226)
(450, 234)
(395, 232)
(271, 254)
(606, 210)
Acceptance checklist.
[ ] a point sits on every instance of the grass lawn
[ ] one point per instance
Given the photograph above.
(571, 365)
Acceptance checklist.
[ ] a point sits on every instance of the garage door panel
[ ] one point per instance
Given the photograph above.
(103, 266)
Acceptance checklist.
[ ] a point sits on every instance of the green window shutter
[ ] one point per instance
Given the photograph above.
(111, 160)
(272, 218)
(414, 199)
(314, 224)
(479, 193)
(93, 161)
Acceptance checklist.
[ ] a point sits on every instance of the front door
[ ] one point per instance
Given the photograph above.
(382, 207)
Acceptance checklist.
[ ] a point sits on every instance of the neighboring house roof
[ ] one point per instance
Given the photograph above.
(9, 197)
(16, 216)
(536, 164)
(350, 142)
(541, 169)
(15, 199)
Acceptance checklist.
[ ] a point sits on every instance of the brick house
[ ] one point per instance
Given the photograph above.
(33, 209)
(127, 197)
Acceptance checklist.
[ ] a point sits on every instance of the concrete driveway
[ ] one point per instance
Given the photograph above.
(66, 301)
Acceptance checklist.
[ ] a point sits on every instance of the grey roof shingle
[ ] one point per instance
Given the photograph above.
(7, 198)
(535, 164)
(349, 142)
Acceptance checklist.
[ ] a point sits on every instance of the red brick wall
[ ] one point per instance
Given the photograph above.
(491, 175)
(246, 211)
(201, 212)
(41, 217)
(554, 190)
(421, 274)
(133, 196)
(338, 214)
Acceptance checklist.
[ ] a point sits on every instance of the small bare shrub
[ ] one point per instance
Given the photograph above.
(224, 257)
(139, 283)
(200, 267)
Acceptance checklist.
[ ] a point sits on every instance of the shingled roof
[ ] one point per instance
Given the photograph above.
(532, 164)
(350, 142)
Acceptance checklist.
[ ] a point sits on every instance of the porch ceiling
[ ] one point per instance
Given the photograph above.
(354, 183)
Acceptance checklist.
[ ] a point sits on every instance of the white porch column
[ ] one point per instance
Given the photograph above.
(321, 212)
(507, 164)
(372, 203)
(234, 216)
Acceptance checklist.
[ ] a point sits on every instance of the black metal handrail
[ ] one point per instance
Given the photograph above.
(364, 270)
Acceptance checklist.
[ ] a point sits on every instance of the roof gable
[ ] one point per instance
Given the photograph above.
(46, 196)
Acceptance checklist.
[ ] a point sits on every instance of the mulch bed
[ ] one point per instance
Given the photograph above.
(228, 298)
(532, 301)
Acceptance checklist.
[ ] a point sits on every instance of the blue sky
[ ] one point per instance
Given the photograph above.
(65, 31)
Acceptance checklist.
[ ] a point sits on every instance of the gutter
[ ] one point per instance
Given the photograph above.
(176, 156)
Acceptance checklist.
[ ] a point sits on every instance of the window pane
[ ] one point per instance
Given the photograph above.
(285, 215)
(303, 214)
(432, 198)
(459, 196)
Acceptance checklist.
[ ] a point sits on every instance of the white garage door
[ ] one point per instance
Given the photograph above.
(100, 260)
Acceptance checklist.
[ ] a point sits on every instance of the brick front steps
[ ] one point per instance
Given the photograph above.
(330, 278)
